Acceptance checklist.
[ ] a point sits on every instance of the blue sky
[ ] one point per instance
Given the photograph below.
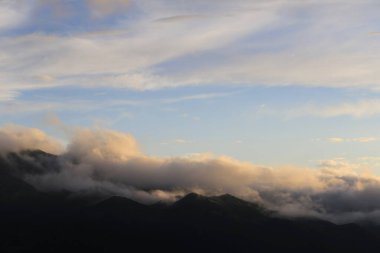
(270, 82)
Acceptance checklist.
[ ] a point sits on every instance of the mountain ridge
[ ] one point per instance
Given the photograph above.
(34, 221)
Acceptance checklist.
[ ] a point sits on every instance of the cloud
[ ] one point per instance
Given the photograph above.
(7, 95)
(12, 14)
(359, 139)
(177, 142)
(179, 18)
(182, 141)
(97, 144)
(15, 138)
(102, 8)
(45, 104)
(100, 160)
(204, 96)
(68, 9)
(10, 105)
(328, 49)
(364, 108)
(60, 9)
(70, 60)
(336, 139)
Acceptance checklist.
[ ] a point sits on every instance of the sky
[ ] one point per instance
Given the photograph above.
(268, 82)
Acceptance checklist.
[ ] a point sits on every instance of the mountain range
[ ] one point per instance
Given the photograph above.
(36, 221)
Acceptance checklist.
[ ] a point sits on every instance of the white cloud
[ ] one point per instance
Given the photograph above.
(9, 105)
(358, 139)
(109, 161)
(248, 42)
(356, 109)
(16, 138)
(124, 58)
(12, 14)
(7, 95)
(182, 141)
(177, 142)
(204, 96)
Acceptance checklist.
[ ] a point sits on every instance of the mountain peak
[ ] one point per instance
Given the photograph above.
(227, 196)
(190, 199)
(192, 195)
(230, 199)
(118, 202)
(35, 153)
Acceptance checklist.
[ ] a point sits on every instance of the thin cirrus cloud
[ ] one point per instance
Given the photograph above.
(217, 48)
(177, 142)
(358, 109)
(7, 95)
(101, 160)
(11, 106)
(122, 60)
(358, 140)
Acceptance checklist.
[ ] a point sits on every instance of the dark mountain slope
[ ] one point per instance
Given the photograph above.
(15, 192)
(32, 221)
(28, 162)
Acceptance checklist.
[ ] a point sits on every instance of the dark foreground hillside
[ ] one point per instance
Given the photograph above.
(32, 221)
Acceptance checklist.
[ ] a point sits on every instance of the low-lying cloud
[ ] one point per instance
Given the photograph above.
(98, 160)
(16, 138)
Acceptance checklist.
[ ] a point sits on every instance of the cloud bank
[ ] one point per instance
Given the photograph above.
(99, 160)
(16, 138)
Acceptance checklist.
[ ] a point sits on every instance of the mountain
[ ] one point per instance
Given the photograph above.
(16, 192)
(28, 162)
(224, 206)
(33, 221)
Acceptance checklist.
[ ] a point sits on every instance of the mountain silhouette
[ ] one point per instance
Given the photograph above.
(34, 221)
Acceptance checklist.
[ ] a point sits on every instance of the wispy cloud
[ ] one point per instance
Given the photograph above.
(177, 142)
(355, 109)
(359, 139)
(7, 95)
(94, 61)
(203, 96)
(208, 50)
(11, 106)
(12, 14)
(179, 18)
